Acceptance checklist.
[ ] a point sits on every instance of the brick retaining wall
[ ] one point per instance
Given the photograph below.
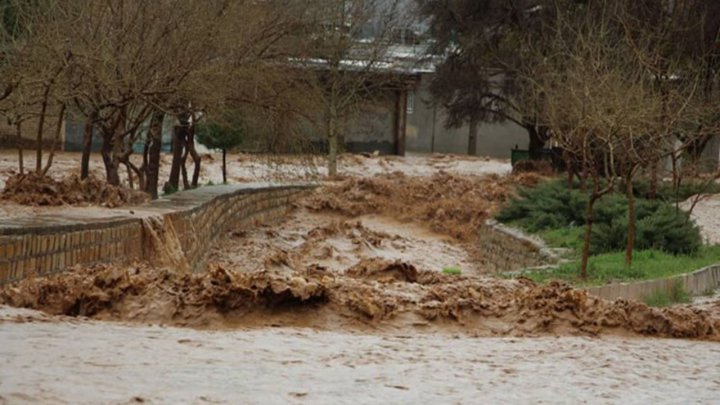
(44, 245)
(510, 249)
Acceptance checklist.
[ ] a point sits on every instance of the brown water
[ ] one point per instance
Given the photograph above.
(51, 360)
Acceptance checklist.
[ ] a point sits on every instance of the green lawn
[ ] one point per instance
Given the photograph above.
(604, 268)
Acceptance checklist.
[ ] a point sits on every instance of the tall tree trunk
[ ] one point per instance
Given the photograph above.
(131, 183)
(183, 170)
(473, 137)
(41, 124)
(153, 159)
(178, 144)
(224, 165)
(654, 179)
(197, 161)
(588, 235)
(56, 139)
(631, 220)
(537, 141)
(111, 166)
(332, 144)
(87, 148)
(18, 133)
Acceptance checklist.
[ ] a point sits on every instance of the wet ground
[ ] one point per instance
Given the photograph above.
(83, 362)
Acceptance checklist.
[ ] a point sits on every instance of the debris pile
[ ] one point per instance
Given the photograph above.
(39, 190)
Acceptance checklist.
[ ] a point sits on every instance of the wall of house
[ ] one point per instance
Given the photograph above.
(427, 133)
(711, 154)
(8, 133)
(75, 131)
(371, 127)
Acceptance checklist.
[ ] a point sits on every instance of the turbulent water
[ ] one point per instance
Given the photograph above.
(345, 302)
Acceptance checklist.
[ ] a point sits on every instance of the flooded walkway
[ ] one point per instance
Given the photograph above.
(57, 361)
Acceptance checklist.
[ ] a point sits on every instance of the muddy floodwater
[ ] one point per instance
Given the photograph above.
(50, 360)
(345, 300)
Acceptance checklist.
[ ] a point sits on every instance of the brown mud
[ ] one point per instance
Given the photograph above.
(373, 295)
(451, 204)
(37, 190)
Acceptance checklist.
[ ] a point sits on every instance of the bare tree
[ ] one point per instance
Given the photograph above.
(350, 52)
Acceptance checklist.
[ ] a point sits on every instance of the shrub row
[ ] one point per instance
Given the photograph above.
(555, 205)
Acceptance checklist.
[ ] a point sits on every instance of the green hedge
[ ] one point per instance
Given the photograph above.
(555, 205)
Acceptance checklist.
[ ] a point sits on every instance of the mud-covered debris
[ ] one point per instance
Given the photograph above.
(315, 297)
(383, 270)
(38, 190)
(451, 204)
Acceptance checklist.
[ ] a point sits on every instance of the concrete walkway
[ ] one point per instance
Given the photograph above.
(94, 217)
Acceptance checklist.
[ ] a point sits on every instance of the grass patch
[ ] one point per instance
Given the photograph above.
(676, 295)
(454, 271)
(647, 265)
(566, 238)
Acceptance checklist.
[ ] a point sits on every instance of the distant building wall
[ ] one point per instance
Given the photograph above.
(75, 131)
(371, 127)
(29, 127)
(426, 130)
(711, 154)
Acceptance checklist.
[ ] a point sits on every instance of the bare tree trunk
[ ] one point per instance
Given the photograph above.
(56, 139)
(41, 124)
(588, 235)
(332, 144)
(224, 166)
(631, 221)
(131, 183)
(537, 141)
(197, 161)
(153, 159)
(87, 146)
(183, 169)
(654, 179)
(18, 133)
(178, 144)
(111, 166)
(473, 137)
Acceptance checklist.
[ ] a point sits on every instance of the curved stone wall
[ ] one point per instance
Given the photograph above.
(188, 221)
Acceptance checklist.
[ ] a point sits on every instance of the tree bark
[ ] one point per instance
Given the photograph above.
(473, 137)
(178, 144)
(41, 124)
(537, 141)
(654, 179)
(131, 183)
(153, 159)
(588, 235)
(332, 145)
(631, 221)
(18, 133)
(87, 148)
(197, 161)
(111, 167)
(56, 139)
(224, 166)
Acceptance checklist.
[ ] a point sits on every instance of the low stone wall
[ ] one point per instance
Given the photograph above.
(510, 249)
(189, 220)
(695, 283)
